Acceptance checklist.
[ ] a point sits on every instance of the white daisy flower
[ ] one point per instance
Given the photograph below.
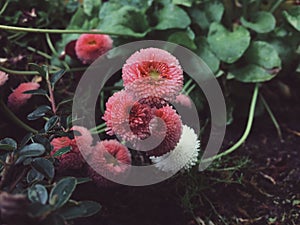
(184, 156)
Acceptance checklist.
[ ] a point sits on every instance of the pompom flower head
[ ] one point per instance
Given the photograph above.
(17, 98)
(111, 158)
(73, 159)
(166, 126)
(184, 156)
(153, 72)
(183, 100)
(89, 47)
(3, 78)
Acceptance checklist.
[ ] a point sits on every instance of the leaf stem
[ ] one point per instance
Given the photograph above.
(15, 119)
(4, 7)
(246, 132)
(62, 31)
(275, 5)
(272, 116)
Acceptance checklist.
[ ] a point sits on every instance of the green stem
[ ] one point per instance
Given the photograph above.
(32, 73)
(15, 119)
(273, 118)
(45, 55)
(100, 126)
(186, 85)
(276, 5)
(246, 132)
(4, 7)
(61, 31)
(98, 131)
(190, 89)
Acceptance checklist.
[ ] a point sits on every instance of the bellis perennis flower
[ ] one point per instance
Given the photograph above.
(111, 158)
(73, 159)
(184, 155)
(89, 47)
(153, 72)
(17, 98)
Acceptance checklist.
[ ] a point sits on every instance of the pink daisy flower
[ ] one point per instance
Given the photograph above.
(72, 159)
(153, 72)
(183, 100)
(89, 47)
(117, 113)
(111, 158)
(169, 126)
(3, 78)
(17, 98)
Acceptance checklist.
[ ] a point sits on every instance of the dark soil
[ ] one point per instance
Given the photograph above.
(259, 185)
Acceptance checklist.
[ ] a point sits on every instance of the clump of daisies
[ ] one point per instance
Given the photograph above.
(142, 114)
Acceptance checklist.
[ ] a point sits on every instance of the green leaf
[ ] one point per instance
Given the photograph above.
(81, 209)
(8, 144)
(187, 3)
(62, 191)
(206, 13)
(182, 38)
(55, 77)
(42, 70)
(51, 123)
(293, 17)
(261, 22)
(228, 46)
(89, 5)
(141, 5)
(38, 193)
(44, 166)
(33, 176)
(172, 16)
(251, 74)
(263, 54)
(39, 112)
(62, 151)
(205, 53)
(36, 92)
(130, 21)
(32, 150)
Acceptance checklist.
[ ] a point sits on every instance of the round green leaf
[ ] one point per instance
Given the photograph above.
(293, 17)
(44, 166)
(33, 176)
(182, 38)
(228, 46)
(39, 112)
(81, 209)
(8, 144)
(251, 74)
(263, 54)
(38, 193)
(262, 22)
(172, 16)
(51, 123)
(32, 150)
(62, 191)
(204, 52)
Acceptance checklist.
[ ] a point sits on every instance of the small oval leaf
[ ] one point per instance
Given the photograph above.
(62, 192)
(81, 209)
(51, 123)
(44, 166)
(39, 112)
(8, 144)
(32, 150)
(38, 193)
